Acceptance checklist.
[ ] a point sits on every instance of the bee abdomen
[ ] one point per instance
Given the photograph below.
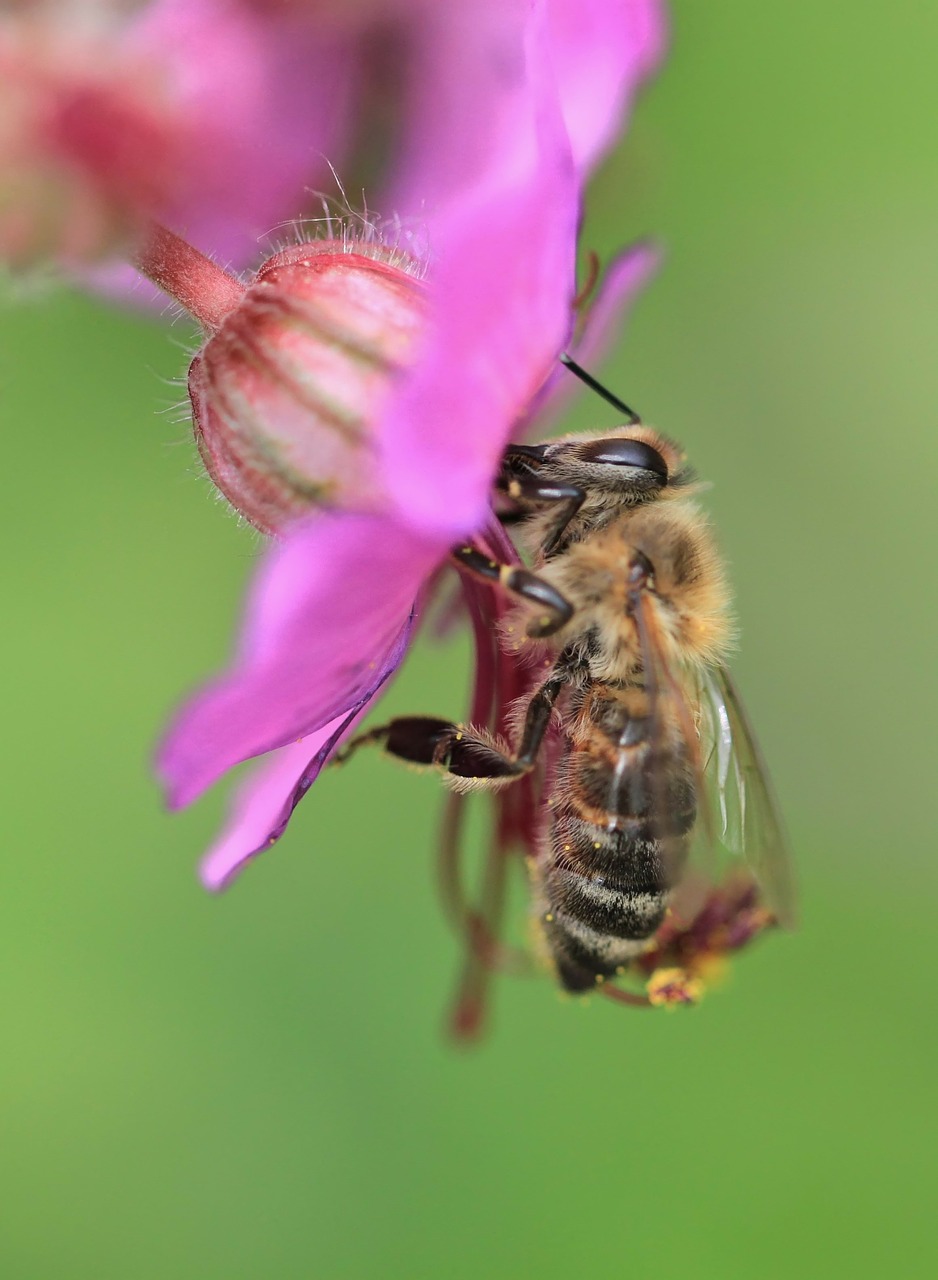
(606, 894)
(581, 954)
(617, 911)
(619, 836)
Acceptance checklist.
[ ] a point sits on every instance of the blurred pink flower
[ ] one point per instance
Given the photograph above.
(334, 605)
(217, 117)
(204, 114)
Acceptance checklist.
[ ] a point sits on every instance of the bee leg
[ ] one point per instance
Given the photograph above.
(556, 609)
(540, 708)
(462, 752)
(517, 481)
(427, 741)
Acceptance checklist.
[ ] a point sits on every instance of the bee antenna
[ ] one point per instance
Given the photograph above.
(579, 372)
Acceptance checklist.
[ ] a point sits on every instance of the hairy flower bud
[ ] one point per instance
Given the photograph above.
(286, 391)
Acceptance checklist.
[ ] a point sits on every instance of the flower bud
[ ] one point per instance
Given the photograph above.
(287, 390)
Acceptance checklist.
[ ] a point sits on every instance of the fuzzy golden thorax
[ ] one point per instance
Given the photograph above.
(687, 590)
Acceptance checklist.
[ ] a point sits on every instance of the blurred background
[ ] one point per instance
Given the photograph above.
(259, 1085)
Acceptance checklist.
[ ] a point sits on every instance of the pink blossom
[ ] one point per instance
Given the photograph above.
(335, 603)
(269, 95)
(456, 107)
(220, 118)
(204, 114)
(314, 654)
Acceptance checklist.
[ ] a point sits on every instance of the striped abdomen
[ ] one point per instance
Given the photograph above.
(623, 807)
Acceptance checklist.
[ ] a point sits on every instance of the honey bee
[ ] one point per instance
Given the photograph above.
(653, 838)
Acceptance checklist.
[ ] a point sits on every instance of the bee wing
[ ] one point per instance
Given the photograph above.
(746, 818)
(672, 710)
(738, 823)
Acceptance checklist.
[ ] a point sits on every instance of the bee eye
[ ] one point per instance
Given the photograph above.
(626, 453)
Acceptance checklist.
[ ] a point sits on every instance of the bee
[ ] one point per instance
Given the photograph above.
(653, 838)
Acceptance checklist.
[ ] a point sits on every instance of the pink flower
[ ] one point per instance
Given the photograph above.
(205, 114)
(334, 605)
(220, 118)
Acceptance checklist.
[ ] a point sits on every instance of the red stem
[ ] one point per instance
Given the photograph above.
(199, 284)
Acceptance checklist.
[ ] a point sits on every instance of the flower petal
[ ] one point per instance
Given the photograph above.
(601, 51)
(502, 287)
(265, 802)
(328, 621)
(265, 99)
(465, 79)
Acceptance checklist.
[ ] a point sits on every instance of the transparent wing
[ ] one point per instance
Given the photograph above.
(746, 823)
(677, 784)
(738, 835)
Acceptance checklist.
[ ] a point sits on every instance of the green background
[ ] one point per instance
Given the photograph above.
(259, 1085)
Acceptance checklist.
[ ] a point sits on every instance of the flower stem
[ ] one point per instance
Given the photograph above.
(199, 284)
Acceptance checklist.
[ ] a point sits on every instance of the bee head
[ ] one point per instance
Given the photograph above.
(631, 464)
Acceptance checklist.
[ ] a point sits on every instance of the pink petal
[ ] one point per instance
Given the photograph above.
(601, 52)
(622, 281)
(264, 803)
(328, 620)
(464, 86)
(465, 74)
(266, 99)
(503, 283)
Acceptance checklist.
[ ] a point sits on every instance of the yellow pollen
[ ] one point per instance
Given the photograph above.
(671, 987)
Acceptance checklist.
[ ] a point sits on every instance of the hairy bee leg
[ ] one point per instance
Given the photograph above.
(455, 749)
(524, 487)
(556, 608)
(465, 748)
(428, 741)
(461, 752)
(540, 709)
